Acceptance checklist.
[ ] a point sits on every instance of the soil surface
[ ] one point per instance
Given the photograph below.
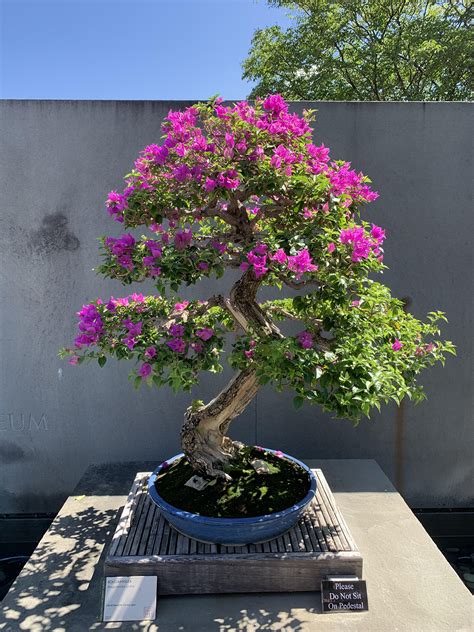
(248, 494)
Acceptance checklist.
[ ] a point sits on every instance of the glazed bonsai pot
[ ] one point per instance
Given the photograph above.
(232, 531)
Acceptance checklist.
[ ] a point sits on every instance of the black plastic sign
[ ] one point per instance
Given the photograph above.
(344, 595)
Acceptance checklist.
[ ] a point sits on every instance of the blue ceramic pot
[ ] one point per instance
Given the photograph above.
(232, 531)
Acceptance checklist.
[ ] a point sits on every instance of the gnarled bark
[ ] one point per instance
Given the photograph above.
(203, 436)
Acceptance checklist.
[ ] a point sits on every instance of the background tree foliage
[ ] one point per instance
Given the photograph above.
(366, 50)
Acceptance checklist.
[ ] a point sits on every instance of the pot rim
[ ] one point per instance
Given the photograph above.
(181, 513)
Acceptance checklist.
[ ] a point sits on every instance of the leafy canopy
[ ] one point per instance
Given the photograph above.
(366, 50)
(245, 187)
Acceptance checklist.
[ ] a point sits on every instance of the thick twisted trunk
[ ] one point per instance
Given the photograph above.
(203, 436)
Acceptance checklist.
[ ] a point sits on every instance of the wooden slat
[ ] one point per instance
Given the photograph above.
(151, 519)
(182, 545)
(319, 544)
(125, 519)
(340, 543)
(287, 540)
(172, 541)
(338, 516)
(192, 546)
(314, 511)
(315, 543)
(234, 573)
(156, 534)
(135, 522)
(163, 549)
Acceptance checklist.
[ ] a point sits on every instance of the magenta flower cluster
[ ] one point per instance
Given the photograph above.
(190, 156)
(363, 244)
(259, 260)
(305, 339)
(299, 264)
(151, 261)
(122, 248)
(90, 325)
(177, 343)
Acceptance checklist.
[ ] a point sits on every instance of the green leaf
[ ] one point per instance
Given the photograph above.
(298, 401)
(101, 360)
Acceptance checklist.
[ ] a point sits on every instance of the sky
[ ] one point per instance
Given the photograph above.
(128, 49)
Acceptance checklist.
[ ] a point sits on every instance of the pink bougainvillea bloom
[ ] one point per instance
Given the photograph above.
(202, 265)
(279, 454)
(249, 353)
(279, 256)
(154, 247)
(179, 307)
(197, 347)
(181, 173)
(229, 140)
(355, 303)
(150, 353)
(377, 233)
(210, 184)
(276, 162)
(145, 370)
(260, 249)
(205, 333)
(73, 360)
(275, 104)
(134, 329)
(331, 247)
(258, 261)
(182, 239)
(244, 266)
(301, 263)
(219, 246)
(116, 203)
(177, 345)
(305, 339)
(430, 347)
(367, 194)
(397, 345)
(177, 331)
(149, 261)
(156, 228)
(241, 147)
(156, 153)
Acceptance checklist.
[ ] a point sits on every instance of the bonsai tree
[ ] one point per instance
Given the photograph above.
(244, 187)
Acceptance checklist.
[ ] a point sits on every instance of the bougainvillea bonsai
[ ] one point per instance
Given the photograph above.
(245, 187)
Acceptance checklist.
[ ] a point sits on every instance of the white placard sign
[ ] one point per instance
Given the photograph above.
(130, 598)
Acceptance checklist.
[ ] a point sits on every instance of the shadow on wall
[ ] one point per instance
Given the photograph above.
(54, 235)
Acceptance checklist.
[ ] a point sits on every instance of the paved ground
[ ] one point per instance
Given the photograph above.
(410, 585)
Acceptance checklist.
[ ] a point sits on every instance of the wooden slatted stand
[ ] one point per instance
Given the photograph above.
(319, 545)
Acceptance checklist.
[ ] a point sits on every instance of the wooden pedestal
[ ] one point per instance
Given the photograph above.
(319, 545)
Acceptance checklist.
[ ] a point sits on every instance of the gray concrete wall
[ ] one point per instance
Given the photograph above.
(58, 160)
